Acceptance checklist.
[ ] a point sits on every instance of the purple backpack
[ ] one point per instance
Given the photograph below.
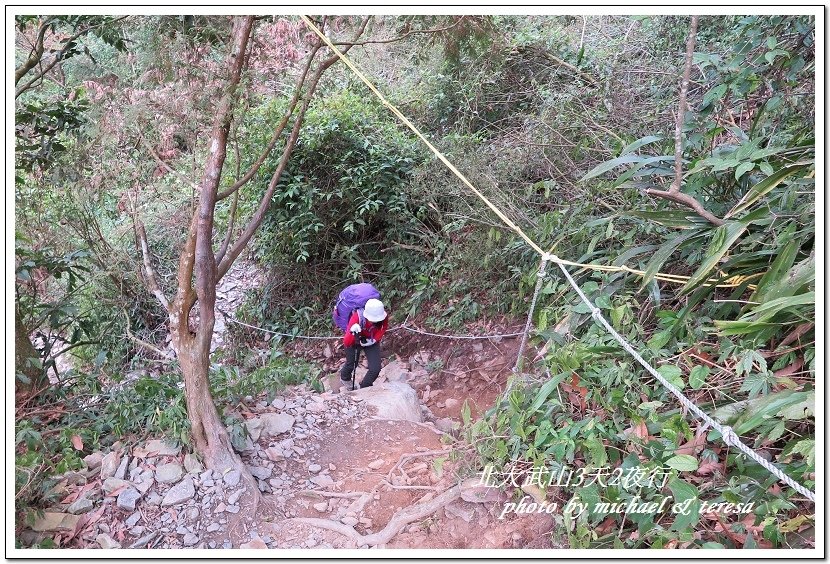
(352, 298)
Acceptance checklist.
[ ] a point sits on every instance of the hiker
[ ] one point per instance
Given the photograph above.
(361, 315)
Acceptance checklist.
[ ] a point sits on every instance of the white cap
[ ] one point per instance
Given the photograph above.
(374, 311)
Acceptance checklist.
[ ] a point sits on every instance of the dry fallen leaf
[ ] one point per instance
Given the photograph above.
(77, 442)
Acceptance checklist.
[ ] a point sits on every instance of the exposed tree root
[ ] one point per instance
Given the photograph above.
(401, 519)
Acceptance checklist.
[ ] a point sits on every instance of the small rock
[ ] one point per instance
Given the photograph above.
(180, 493)
(349, 521)
(376, 464)
(213, 527)
(234, 497)
(322, 506)
(193, 513)
(169, 473)
(190, 539)
(232, 509)
(274, 454)
(260, 472)
(278, 402)
(137, 531)
(121, 472)
(232, 478)
(322, 480)
(112, 484)
(55, 522)
(451, 403)
(332, 467)
(145, 484)
(82, 505)
(109, 465)
(157, 448)
(128, 498)
(133, 519)
(219, 508)
(314, 468)
(107, 542)
(192, 464)
(93, 461)
(153, 498)
(274, 424)
(254, 427)
(255, 543)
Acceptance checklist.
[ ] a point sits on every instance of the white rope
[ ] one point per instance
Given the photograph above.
(402, 327)
(729, 436)
(470, 337)
(540, 278)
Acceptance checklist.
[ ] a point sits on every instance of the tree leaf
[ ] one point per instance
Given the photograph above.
(742, 169)
(722, 240)
(608, 165)
(763, 188)
(659, 258)
(698, 375)
(685, 493)
(631, 147)
(683, 462)
(673, 374)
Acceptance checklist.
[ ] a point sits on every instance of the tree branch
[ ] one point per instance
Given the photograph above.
(149, 272)
(35, 56)
(255, 221)
(681, 108)
(166, 166)
(404, 36)
(163, 354)
(277, 132)
(674, 194)
(57, 58)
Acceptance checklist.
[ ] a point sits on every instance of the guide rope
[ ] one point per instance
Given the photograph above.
(726, 432)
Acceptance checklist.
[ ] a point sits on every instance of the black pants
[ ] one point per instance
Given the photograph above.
(372, 356)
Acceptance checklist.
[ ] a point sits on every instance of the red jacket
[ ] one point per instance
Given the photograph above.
(369, 331)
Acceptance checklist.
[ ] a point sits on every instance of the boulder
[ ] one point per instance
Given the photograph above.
(192, 464)
(392, 400)
(169, 473)
(274, 424)
(255, 543)
(107, 542)
(82, 505)
(157, 448)
(109, 465)
(127, 499)
(181, 492)
(52, 521)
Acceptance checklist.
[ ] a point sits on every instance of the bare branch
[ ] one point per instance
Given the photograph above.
(674, 194)
(36, 54)
(224, 248)
(277, 132)
(255, 221)
(681, 108)
(404, 36)
(166, 166)
(163, 354)
(149, 272)
(56, 59)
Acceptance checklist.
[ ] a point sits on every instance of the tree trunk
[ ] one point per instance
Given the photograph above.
(210, 437)
(26, 357)
(197, 261)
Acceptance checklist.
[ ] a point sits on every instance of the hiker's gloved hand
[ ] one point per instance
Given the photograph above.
(367, 342)
(355, 329)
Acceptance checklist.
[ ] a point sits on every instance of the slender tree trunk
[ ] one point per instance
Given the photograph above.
(197, 260)
(25, 357)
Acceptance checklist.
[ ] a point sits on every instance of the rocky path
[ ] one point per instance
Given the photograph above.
(355, 460)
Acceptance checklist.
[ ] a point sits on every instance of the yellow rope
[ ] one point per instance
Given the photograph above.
(672, 278)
